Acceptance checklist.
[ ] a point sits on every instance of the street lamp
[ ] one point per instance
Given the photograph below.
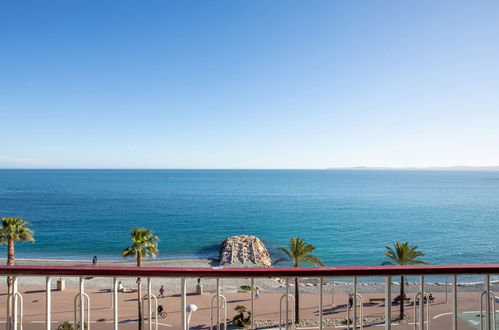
(190, 309)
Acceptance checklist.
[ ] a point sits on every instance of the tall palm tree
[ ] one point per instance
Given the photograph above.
(144, 244)
(299, 251)
(403, 254)
(12, 230)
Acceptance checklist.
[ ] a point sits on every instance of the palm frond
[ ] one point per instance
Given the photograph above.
(15, 229)
(404, 254)
(144, 244)
(299, 251)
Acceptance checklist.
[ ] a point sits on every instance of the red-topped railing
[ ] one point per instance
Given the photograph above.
(228, 272)
(15, 322)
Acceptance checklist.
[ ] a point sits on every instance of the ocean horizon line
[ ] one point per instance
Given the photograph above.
(352, 168)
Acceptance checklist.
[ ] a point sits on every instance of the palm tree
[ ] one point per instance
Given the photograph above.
(144, 244)
(299, 251)
(403, 254)
(12, 230)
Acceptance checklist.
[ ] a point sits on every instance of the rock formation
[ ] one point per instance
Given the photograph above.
(244, 250)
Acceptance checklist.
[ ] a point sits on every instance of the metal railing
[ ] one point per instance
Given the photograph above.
(221, 302)
(355, 298)
(16, 321)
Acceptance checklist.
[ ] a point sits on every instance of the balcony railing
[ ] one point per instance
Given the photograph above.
(219, 320)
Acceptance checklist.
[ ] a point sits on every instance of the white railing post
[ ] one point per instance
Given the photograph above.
(321, 284)
(487, 302)
(446, 289)
(218, 304)
(82, 296)
(354, 317)
(332, 293)
(222, 302)
(287, 303)
(252, 303)
(48, 302)
(115, 303)
(421, 302)
(287, 297)
(388, 303)
(82, 303)
(149, 302)
(454, 302)
(149, 296)
(18, 321)
(14, 304)
(183, 303)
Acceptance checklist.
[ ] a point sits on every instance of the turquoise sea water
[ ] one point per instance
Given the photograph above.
(348, 215)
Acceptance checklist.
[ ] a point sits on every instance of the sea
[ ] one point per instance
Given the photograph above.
(348, 215)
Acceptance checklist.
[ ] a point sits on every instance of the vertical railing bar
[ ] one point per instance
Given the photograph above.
(75, 308)
(115, 303)
(48, 302)
(149, 302)
(218, 304)
(14, 304)
(332, 292)
(454, 302)
(354, 314)
(487, 302)
(428, 311)
(225, 312)
(481, 309)
(321, 312)
(19, 299)
(88, 310)
(183, 303)
(421, 303)
(361, 309)
(21, 310)
(252, 303)
(287, 304)
(493, 302)
(417, 304)
(388, 303)
(82, 303)
(211, 312)
(348, 311)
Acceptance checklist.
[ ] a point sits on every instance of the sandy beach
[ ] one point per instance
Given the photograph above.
(266, 307)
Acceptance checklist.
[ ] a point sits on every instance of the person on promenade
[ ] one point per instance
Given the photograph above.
(121, 288)
(257, 292)
(161, 292)
(94, 260)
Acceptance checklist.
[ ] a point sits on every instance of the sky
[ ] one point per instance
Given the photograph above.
(248, 84)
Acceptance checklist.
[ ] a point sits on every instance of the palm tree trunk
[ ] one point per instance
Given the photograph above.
(402, 301)
(10, 288)
(297, 302)
(139, 293)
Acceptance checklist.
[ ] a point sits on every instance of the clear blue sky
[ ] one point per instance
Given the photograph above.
(248, 84)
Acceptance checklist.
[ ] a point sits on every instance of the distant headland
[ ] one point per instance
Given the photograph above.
(432, 168)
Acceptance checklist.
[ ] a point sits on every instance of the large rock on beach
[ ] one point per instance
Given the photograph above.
(244, 250)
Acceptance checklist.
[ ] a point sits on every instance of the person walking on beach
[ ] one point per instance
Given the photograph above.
(161, 292)
(257, 292)
(94, 260)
